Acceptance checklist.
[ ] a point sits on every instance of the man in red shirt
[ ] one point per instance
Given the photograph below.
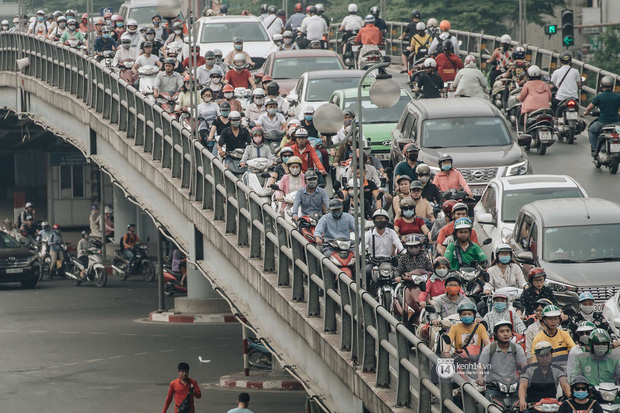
(198, 60)
(447, 62)
(459, 210)
(369, 36)
(307, 153)
(182, 388)
(239, 76)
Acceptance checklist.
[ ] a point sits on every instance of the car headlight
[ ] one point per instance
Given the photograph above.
(560, 287)
(518, 168)
(506, 234)
(31, 260)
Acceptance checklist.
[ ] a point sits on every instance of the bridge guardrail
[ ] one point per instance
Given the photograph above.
(257, 226)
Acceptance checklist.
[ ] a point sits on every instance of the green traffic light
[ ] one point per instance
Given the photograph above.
(552, 29)
(568, 40)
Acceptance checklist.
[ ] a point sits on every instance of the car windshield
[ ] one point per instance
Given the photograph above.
(319, 90)
(465, 132)
(7, 242)
(514, 200)
(583, 243)
(143, 15)
(290, 68)
(250, 31)
(373, 114)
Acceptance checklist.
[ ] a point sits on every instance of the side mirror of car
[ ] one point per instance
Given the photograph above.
(525, 139)
(525, 258)
(486, 219)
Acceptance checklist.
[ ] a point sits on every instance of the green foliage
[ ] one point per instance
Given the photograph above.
(50, 6)
(608, 57)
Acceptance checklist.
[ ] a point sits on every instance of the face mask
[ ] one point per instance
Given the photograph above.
(259, 102)
(271, 111)
(216, 80)
(178, 32)
(424, 179)
(62, 25)
(150, 37)
(504, 259)
(295, 170)
(348, 122)
(381, 224)
(258, 140)
(106, 36)
(238, 47)
(586, 309)
(126, 45)
(453, 290)
(210, 62)
(441, 272)
(408, 213)
(156, 23)
(40, 18)
(313, 184)
(207, 99)
(467, 320)
(337, 215)
(585, 339)
(600, 349)
(308, 118)
(108, 22)
(499, 306)
(288, 41)
(235, 124)
(413, 250)
(446, 167)
(413, 157)
(225, 113)
(120, 24)
(580, 395)
(228, 95)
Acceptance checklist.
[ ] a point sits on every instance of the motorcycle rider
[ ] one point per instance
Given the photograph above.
(272, 23)
(608, 103)
(238, 48)
(428, 83)
(160, 34)
(105, 42)
(25, 238)
(441, 222)
(132, 30)
(430, 192)
(504, 271)
(45, 232)
(109, 223)
(581, 401)
(406, 36)
(420, 42)
(536, 290)
(501, 311)
(379, 22)
(448, 63)
(463, 251)
(221, 122)
(39, 27)
(119, 27)
(168, 81)
(314, 27)
(57, 32)
(281, 168)
(459, 210)
(407, 221)
(587, 313)
(350, 25)
(203, 72)
(306, 152)
(73, 34)
(449, 178)
(567, 81)
(5, 26)
(94, 220)
(197, 59)
(435, 285)
(287, 42)
(55, 243)
(540, 380)
(312, 199)
(272, 120)
(503, 358)
(294, 22)
(382, 243)
(369, 37)
(184, 99)
(438, 43)
(336, 224)
(600, 365)
(273, 92)
(146, 59)
(179, 265)
(470, 82)
(257, 107)
(535, 94)
(466, 331)
(581, 337)
(16, 26)
(257, 149)
(28, 210)
(82, 251)
(263, 12)
(447, 304)
(293, 180)
(501, 58)
(208, 111)
(239, 76)
(409, 164)
(234, 136)
(416, 258)
(127, 245)
(177, 36)
(125, 52)
(151, 37)
(560, 340)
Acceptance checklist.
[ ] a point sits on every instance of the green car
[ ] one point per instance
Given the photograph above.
(377, 123)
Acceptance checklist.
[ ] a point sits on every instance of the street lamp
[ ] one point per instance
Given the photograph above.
(169, 10)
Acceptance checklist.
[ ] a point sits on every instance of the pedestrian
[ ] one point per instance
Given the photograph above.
(184, 390)
(243, 401)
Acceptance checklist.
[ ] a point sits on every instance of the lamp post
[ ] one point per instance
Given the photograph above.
(169, 10)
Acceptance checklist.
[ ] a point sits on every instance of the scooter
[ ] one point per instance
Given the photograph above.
(45, 261)
(167, 103)
(94, 272)
(406, 298)
(497, 92)
(607, 395)
(232, 161)
(541, 127)
(107, 56)
(509, 397)
(306, 225)
(259, 356)
(273, 138)
(78, 45)
(147, 75)
(609, 148)
(125, 72)
(58, 268)
(256, 177)
(243, 95)
(172, 282)
(186, 114)
(513, 106)
(141, 263)
(382, 277)
(343, 256)
(350, 52)
(567, 120)
(474, 277)
(546, 405)
(369, 58)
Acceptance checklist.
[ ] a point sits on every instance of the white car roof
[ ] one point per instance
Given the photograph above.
(234, 19)
(515, 183)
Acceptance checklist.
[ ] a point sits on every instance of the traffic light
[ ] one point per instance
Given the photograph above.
(551, 29)
(567, 28)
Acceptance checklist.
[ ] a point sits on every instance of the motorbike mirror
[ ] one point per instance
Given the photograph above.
(569, 310)
(486, 277)
(148, 239)
(525, 258)
(274, 187)
(446, 339)
(422, 287)
(265, 175)
(340, 194)
(388, 171)
(431, 309)
(484, 324)
(337, 185)
(617, 323)
(525, 139)
(487, 241)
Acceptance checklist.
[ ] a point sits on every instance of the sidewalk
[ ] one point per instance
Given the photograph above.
(262, 380)
(172, 317)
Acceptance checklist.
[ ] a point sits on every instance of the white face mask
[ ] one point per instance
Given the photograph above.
(216, 80)
(207, 99)
(228, 95)
(259, 101)
(178, 31)
(441, 272)
(586, 309)
(599, 349)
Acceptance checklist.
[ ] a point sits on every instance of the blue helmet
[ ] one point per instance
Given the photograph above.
(462, 223)
(586, 296)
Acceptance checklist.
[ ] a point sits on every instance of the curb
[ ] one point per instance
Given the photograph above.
(170, 317)
(229, 382)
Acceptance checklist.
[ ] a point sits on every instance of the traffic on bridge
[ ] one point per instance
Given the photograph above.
(398, 216)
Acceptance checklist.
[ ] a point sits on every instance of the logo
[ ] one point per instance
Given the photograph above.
(477, 175)
(587, 369)
(445, 368)
(386, 143)
(11, 259)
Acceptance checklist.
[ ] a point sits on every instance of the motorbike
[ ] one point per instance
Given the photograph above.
(58, 268)
(431, 334)
(167, 103)
(497, 92)
(273, 138)
(306, 226)
(541, 127)
(78, 45)
(382, 277)
(513, 106)
(509, 397)
(406, 297)
(95, 271)
(125, 72)
(609, 148)
(186, 115)
(567, 120)
(172, 282)
(350, 52)
(147, 75)
(257, 178)
(106, 56)
(258, 355)
(243, 95)
(232, 161)
(343, 256)
(474, 277)
(45, 261)
(608, 396)
(370, 57)
(141, 263)
(546, 405)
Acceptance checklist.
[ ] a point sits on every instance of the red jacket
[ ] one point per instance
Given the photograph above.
(179, 392)
(447, 66)
(309, 158)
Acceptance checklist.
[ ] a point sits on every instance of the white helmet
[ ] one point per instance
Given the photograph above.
(258, 92)
(40, 12)
(430, 62)
(420, 26)
(319, 7)
(16, 20)
(132, 22)
(5, 22)
(533, 71)
(308, 109)
(506, 39)
(352, 8)
(125, 36)
(432, 22)
(470, 59)
(239, 61)
(380, 213)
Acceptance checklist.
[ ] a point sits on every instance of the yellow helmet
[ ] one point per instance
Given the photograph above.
(293, 159)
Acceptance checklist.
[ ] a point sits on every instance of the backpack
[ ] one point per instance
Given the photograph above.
(494, 348)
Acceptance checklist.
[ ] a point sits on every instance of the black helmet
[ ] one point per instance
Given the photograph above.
(444, 157)
(374, 10)
(334, 204)
(313, 10)
(416, 14)
(565, 58)
(453, 276)
(281, 12)
(223, 9)
(272, 10)
(273, 88)
(448, 46)
(150, 31)
(519, 53)
(263, 8)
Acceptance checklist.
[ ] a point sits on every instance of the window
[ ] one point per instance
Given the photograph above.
(318, 90)
(489, 201)
(224, 32)
(402, 123)
(525, 231)
(467, 132)
(374, 114)
(72, 181)
(288, 68)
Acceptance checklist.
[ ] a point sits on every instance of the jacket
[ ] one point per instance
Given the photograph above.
(252, 152)
(512, 278)
(433, 289)
(450, 179)
(535, 95)
(285, 185)
(471, 82)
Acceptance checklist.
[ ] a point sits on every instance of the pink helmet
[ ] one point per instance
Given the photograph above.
(470, 59)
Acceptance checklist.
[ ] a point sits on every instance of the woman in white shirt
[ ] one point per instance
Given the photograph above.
(504, 271)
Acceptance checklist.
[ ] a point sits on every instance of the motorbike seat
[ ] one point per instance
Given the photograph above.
(540, 112)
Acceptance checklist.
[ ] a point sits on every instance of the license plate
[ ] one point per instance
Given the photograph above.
(614, 147)
(14, 270)
(544, 135)
(477, 191)
(355, 48)
(572, 115)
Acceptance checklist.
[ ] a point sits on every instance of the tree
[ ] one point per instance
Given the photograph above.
(608, 56)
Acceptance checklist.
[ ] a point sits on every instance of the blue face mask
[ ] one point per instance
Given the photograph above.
(580, 395)
(504, 259)
(408, 213)
(446, 167)
(238, 46)
(106, 36)
(308, 118)
(285, 159)
(119, 24)
(225, 113)
(467, 320)
(40, 18)
(501, 306)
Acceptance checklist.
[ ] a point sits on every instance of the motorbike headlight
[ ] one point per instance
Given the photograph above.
(547, 407)
(513, 387)
(608, 395)
(560, 287)
(503, 388)
(31, 260)
(506, 234)
(419, 279)
(468, 275)
(386, 273)
(518, 168)
(344, 245)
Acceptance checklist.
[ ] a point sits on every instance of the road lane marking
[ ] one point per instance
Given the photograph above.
(98, 334)
(116, 357)
(141, 354)
(166, 351)
(93, 360)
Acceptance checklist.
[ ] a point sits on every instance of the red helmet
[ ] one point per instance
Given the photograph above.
(265, 78)
(308, 9)
(187, 78)
(245, 13)
(536, 272)
(299, 7)
(228, 88)
(56, 226)
(107, 16)
(447, 207)
(84, 16)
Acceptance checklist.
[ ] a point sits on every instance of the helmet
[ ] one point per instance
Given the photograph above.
(413, 239)
(501, 323)
(258, 92)
(536, 272)
(519, 53)
(369, 18)
(234, 115)
(349, 112)
(271, 102)
(406, 202)
(543, 347)
(503, 248)
(544, 302)
(586, 326)
(374, 10)
(313, 10)
(380, 213)
(84, 233)
(72, 22)
(108, 210)
(411, 147)
(533, 71)
(447, 207)
(499, 295)
(237, 39)
(239, 61)
(266, 78)
(444, 157)
(462, 223)
(466, 306)
(287, 34)
(216, 71)
(420, 26)
(29, 205)
(286, 149)
(505, 39)
(352, 8)
(460, 206)
(453, 276)
(108, 15)
(301, 133)
(448, 46)
(131, 224)
(104, 29)
(599, 336)
(308, 109)
(423, 169)
(469, 59)
(404, 177)
(118, 18)
(28, 218)
(416, 185)
(293, 160)
(132, 22)
(272, 9)
(566, 58)
(607, 81)
(45, 224)
(579, 380)
(586, 296)
(273, 88)
(444, 25)
(551, 311)
(441, 261)
(430, 62)
(256, 130)
(415, 14)
(299, 7)
(320, 8)
(263, 8)
(335, 203)
(168, 61)
(432, 22)
(56, 226)
(293, 122)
